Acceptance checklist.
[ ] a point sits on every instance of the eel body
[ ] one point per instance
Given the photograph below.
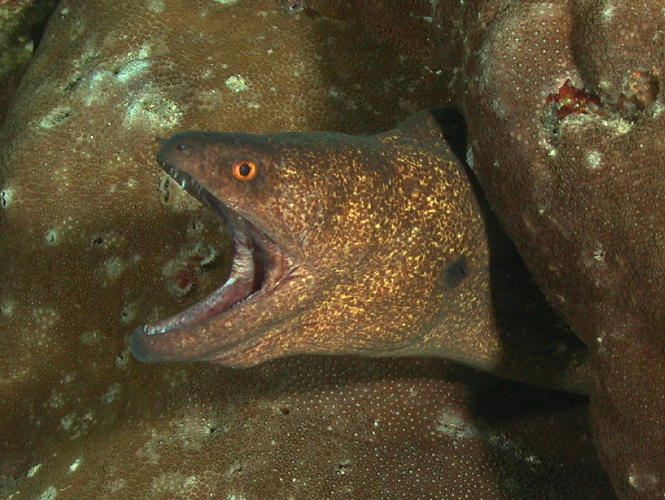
(369, 245)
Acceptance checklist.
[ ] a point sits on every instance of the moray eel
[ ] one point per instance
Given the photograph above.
(373, 245)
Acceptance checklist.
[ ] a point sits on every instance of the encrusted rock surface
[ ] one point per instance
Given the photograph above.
(21, 23)
(311, 428)
(567, 132)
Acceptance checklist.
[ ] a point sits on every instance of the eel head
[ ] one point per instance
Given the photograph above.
(337, 243)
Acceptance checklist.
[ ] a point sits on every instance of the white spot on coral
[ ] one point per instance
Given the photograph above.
(454, 426)
(6, 196)
(7, 306)
(236, 83)
(55, 117)
(67, 421)
(131, 70)
(76, 424)
(133, 64)
(607, 13)
(113, 267)
(52, 236)
(599, 255)
(642, 481)
(225, 2)
(593, 159)
(129, 66)
(48, 494)
(90, 338)
(233, 469)
(111, 393)
(617, 125)
(153, 110)
(75, 464)
(620, 125)
(95, 90)
(33, 470)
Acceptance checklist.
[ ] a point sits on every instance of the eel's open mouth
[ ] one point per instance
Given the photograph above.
(258, 268)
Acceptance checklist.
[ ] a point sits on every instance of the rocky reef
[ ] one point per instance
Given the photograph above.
(563, 107)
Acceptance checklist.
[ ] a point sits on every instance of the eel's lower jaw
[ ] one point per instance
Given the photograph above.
(259, 268)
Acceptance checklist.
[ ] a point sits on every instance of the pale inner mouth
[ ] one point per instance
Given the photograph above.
(258, 266)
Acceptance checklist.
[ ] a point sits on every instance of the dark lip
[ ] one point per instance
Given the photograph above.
(259, 266)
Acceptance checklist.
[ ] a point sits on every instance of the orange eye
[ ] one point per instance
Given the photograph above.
(244, 170)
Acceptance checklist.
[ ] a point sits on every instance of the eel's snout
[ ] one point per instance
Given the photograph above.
(180, 147)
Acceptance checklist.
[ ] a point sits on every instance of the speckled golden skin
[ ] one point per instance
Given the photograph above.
(389, 243)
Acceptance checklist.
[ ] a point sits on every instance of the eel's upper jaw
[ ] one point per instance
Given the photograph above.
(259, 267)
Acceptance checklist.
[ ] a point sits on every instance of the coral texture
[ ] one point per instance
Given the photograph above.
(21, 22)
(565, 106)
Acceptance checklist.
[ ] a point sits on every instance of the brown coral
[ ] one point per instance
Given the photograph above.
(586, 209)
(21, 23)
